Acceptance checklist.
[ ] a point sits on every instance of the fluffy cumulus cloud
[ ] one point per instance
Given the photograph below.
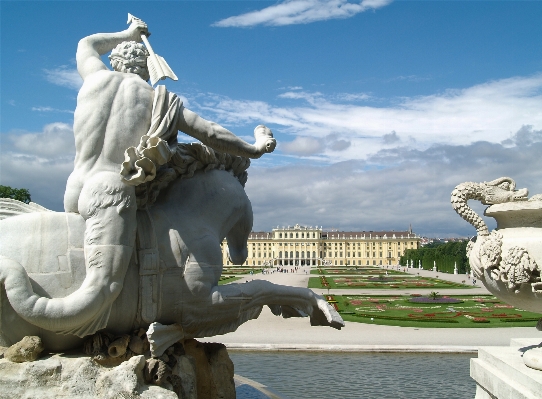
(413, 188)
(486, 112)
(524, 137)
(303, 146)
(64, 76)
(391, 138)
(306, 146)
(293, 12)
(39, 161)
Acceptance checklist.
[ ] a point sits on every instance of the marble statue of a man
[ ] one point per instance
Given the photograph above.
(124, 131)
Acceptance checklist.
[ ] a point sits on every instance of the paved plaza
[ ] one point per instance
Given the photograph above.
(270, 332)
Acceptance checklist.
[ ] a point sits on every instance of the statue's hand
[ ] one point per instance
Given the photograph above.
(136, 29)
(265, 143)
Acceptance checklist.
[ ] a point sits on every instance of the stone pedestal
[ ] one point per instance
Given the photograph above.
(201, 371)
(500, 373)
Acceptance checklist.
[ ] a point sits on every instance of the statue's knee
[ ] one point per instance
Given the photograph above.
(115, 288)
(238, 256)
(199, 289)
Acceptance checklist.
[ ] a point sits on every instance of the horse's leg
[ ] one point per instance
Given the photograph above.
(204, 266)
(226, 307)
(238, 236)
(294, 301)
(203, 238)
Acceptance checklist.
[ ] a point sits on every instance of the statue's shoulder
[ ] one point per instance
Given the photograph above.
(100, 81)
(111, 80)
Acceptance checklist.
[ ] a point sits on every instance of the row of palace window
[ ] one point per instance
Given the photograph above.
(329, 254)
(297, 254)
(330, 245)
(297, 235)
(368, 254)
(340, 262)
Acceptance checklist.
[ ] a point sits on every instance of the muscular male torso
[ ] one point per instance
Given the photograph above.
(113, 112)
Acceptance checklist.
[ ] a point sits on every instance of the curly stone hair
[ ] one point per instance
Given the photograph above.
(130, 57)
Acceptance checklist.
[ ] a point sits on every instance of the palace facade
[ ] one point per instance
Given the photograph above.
(302, 245)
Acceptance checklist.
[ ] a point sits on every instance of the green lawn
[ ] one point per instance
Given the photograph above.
(381, 282)
(240, 270)
(474, 311)
(227, 279)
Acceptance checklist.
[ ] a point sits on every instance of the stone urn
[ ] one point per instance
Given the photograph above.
(507, 260)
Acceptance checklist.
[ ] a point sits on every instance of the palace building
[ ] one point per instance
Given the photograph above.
(302, 245)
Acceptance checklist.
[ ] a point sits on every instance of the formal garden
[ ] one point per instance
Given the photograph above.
(433, 310)
(382, 281)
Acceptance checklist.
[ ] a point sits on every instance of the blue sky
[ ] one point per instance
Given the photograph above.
(379, 107)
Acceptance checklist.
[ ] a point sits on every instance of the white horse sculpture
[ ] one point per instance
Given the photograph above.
(174, 273)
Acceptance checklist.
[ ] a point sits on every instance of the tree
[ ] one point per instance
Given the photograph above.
(433, 295)
(445, 255)
(19, 194)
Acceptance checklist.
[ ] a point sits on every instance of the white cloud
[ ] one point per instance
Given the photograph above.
(40, 162)
(351, 97)
(292, 12)
(388, 190)
(524, 136)
(55, 141)
(302, 146)
(413, 188)
(410, 78)
(485, 112)
(51, 109)
(64, 76)
(391, 138)
(311, 98)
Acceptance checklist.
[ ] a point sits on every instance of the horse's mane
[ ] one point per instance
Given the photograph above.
(189, 158)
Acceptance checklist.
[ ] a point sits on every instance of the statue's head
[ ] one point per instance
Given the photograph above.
(130, 57)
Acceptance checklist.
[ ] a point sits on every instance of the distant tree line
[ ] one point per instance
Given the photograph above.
(19, 194)
(444, 255)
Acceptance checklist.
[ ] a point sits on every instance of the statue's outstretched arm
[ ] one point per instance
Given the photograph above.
(90, 48)
(221, 139)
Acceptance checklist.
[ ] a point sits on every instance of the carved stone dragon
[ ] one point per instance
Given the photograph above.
(496, 191)
(515, 266)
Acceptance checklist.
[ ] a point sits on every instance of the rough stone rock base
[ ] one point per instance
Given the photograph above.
(214, 369)
(204, 371)
(500, 373)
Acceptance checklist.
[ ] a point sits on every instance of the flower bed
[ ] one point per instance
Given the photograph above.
(388, 282)
(466, 311)
(424, 299)
(484, 300)
(382, 279)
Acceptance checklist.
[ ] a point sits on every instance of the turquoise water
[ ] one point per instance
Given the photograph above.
(304, 375)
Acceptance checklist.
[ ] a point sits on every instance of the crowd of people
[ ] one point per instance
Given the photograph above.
(282, 269)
